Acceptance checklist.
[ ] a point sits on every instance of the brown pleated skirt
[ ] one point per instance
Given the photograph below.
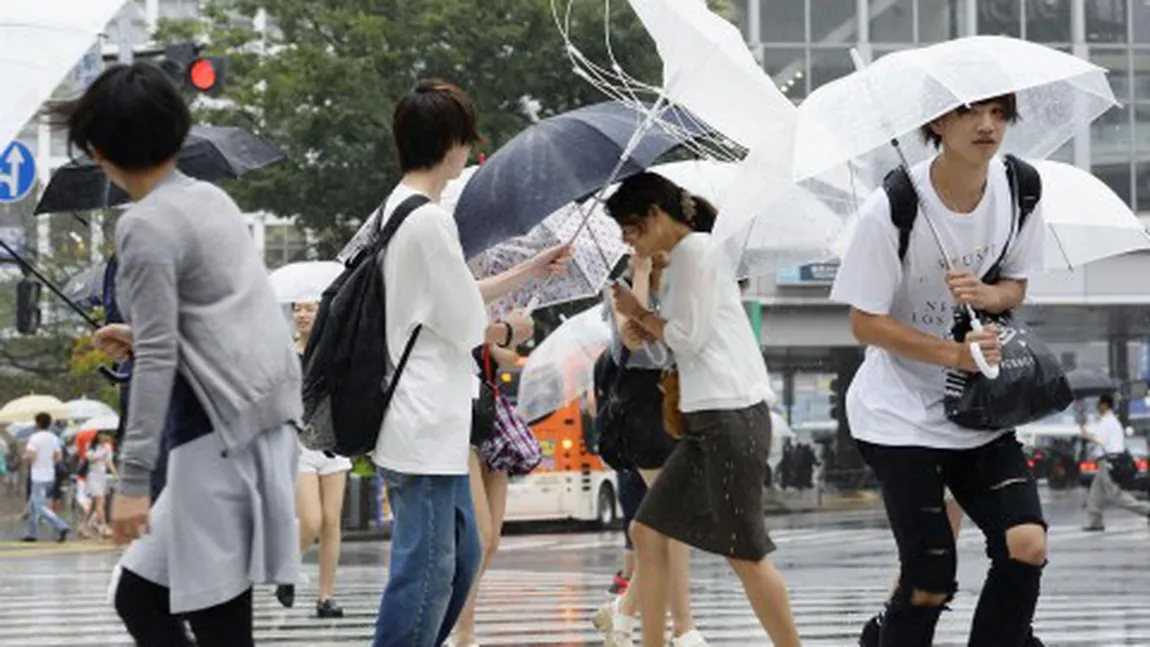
(709, 493)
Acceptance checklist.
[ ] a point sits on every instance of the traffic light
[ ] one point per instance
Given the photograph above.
(27, 307)
(192, 72)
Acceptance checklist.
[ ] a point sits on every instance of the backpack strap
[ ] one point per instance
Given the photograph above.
(405, 209)
(903, 206)
(1026, 180)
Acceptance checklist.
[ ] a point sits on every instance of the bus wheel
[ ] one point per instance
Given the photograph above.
(605, 508)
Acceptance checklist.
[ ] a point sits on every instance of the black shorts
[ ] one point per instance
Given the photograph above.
(992, 484)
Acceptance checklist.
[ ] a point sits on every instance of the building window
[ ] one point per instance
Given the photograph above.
(1106, 21)
(1140, 21)
(940, 20)
(833, 22)
(787, 67)
(1048, 21)
(828, 64)
(1000, 17)
(892, 22)
(284, 244)
(783, 22)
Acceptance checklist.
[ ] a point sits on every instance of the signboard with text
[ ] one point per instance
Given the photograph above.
(811, 274)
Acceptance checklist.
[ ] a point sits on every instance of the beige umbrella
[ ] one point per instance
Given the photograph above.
(26, 408)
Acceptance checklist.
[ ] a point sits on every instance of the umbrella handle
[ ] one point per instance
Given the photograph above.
(986, 368)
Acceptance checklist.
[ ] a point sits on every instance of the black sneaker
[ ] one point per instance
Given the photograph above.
(1094, 528)
(327, 609)
(29, 540)
(871, 632)
(285, 593)
(63, 536)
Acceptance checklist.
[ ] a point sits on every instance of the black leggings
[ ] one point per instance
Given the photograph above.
(147, 614)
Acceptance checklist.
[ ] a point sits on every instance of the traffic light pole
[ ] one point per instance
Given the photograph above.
(28, 267)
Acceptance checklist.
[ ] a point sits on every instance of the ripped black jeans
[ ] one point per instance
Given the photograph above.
(995, 488)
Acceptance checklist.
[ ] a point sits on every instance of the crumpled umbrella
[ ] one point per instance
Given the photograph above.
(766, 221)
(210, 153)
(304, 281)
(566, 158)
(40, 42)
(596, 249)
(562, 367)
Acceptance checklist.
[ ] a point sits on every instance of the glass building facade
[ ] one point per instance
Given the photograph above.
(803, 44)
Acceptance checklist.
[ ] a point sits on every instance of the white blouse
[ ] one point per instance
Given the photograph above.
(720, 364)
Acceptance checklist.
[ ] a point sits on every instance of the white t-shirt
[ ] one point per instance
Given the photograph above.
(427, 428)
(98, 459)
(720, 364)
(44, 444)
(894, 400)
(1108, 431)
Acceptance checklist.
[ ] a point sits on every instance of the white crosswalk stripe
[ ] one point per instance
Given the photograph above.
(553, 608)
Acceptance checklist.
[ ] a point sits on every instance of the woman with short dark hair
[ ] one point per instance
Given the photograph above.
(213, 369)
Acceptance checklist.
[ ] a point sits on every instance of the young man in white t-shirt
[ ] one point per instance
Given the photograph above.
(902, 309)
(423, 446)
(1106, 439)
(43, 452)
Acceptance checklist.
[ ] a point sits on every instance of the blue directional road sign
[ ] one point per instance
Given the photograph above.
(17, 172)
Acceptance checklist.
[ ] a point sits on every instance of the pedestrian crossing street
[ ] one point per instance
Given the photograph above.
(44, 606)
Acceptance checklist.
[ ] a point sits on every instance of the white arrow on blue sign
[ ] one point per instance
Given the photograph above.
(17, 172)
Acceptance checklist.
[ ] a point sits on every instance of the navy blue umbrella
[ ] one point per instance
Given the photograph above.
(564, 159)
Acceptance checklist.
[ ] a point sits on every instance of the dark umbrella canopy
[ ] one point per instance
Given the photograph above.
(566, 158)
(210, 153)
(1085, 383)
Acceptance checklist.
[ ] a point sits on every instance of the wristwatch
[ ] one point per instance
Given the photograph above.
(510, 332)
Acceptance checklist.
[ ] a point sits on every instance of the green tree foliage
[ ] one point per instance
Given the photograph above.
(323, 84)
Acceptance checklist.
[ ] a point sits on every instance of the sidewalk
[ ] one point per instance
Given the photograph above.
(779, 502)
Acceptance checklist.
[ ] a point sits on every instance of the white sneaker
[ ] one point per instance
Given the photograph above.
(604, 617)
(620, 634)
(690, 639)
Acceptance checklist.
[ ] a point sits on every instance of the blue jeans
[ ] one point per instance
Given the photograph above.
(435, 556)
(38, 508)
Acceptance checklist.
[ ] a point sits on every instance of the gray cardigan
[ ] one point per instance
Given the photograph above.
(193, 288)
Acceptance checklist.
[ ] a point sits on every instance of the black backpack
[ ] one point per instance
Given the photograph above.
(904, 200)
(348, 375)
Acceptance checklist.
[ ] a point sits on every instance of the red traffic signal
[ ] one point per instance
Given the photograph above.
(206, 74)
(202, 74)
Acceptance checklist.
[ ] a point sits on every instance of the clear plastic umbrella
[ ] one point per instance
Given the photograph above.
(25, 409)
(1085, 219)
(304, 281)
(849, 120)
(85, 408)
(596, 251)
(562, 367)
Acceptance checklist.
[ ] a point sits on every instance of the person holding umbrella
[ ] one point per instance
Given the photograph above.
(212, 352)
(901, 309)
(709, 492)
